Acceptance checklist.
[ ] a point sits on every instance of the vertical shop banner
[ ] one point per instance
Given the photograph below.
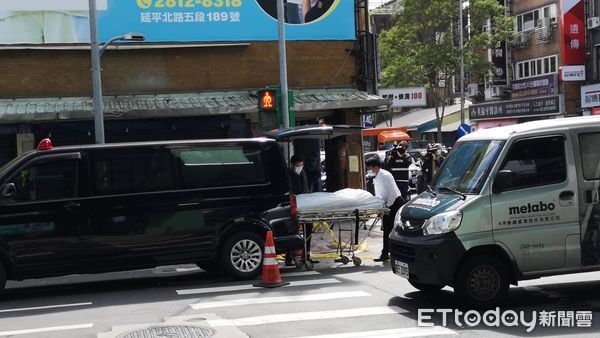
(573, 38)
(499, 59)
(66, 21)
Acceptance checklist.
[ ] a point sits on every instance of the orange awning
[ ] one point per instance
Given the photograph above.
(392, 135)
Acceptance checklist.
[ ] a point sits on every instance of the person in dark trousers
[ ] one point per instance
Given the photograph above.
(386, 189)
(299, 186)
(398, 165)
(312, 168)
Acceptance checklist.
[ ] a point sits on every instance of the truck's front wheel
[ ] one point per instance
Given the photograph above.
(482, 282)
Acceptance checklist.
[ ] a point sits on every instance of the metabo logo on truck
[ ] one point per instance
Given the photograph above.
(529, 208)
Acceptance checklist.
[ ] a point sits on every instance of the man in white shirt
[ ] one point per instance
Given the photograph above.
(386, 189)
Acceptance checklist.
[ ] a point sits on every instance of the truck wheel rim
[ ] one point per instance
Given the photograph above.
(246, 255)
(484, 283)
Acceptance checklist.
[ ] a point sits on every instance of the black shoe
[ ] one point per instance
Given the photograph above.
(382, 258)
(314, 261)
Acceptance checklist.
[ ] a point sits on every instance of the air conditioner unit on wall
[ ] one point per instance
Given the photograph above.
(472, 89)
(593, 22)
(497, 91)
(543, 23)
(543, 34)
(522, 40)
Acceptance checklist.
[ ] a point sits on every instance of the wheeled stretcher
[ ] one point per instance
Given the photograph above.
(347, 221)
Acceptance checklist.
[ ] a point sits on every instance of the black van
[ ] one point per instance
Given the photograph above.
(122, 206)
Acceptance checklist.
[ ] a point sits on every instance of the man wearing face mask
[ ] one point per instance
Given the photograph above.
(299, 182)
(386, 189)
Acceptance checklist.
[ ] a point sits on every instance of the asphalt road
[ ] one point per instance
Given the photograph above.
(332, 301)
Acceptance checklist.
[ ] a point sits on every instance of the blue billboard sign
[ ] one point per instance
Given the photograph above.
(176, 20)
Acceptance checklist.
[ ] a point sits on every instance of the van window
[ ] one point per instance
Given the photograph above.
(211, 166)
(535, 162)
(118, 172)
(44, 181)
(468, 165)
(590, 156)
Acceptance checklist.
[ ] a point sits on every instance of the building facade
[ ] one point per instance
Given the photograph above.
(543, 68)
(590, 93)
(195, 76)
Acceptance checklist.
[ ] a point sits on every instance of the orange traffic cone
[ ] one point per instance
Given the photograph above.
(270, 270)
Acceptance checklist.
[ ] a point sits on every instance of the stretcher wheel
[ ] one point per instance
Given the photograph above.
(308, 265)
(357, 261)
(345, 259)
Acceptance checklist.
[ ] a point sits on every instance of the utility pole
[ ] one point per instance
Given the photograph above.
(283, 65)
(96, 77)
(462, 64)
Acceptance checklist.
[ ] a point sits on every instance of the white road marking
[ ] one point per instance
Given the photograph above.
(45, 307)
(46, 329)
(393, 333)
(283, 299)
(299, 273)
(251, 287)
(298, 316)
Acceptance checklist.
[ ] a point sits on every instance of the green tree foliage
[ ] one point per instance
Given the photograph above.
(423, 49)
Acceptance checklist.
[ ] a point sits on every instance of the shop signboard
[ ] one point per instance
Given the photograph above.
(590, 96)
(548, 105)
(538, 86)
(405, 97)
(181, 21)
(499, 59)
(573, 39)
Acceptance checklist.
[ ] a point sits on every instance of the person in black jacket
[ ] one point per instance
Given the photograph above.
(299, 182)
(398, 165)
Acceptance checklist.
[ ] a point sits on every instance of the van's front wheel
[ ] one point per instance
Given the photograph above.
(242, 255)
(482, 282)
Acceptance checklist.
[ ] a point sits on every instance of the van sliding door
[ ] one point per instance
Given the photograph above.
(537, 212)
(588, 165)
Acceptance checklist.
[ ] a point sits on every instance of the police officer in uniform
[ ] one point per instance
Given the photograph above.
(398, 165)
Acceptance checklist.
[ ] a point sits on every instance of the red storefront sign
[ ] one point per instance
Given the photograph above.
(573, 32)
(596, 111)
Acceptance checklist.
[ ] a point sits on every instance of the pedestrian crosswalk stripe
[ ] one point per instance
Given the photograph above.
(282, 299)
(46, 307)
(251, 287)
(393, 333)
(299, 273)
(46, 329)
(299, 316)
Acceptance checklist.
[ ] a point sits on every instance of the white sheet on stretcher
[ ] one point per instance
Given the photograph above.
(345, 199)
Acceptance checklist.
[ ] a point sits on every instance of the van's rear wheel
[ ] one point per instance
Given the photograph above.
(2, 276)
(482, 282)
(426, 288)
(242, 255)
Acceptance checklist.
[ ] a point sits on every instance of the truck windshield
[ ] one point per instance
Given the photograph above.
(467, 166)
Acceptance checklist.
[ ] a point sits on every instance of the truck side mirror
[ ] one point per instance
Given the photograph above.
(9, 190)
(503, 181)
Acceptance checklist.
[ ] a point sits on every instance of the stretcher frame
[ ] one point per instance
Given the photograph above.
(336, 217)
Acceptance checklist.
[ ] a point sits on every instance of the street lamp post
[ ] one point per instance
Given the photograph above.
(97, 52)
(283, 65)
